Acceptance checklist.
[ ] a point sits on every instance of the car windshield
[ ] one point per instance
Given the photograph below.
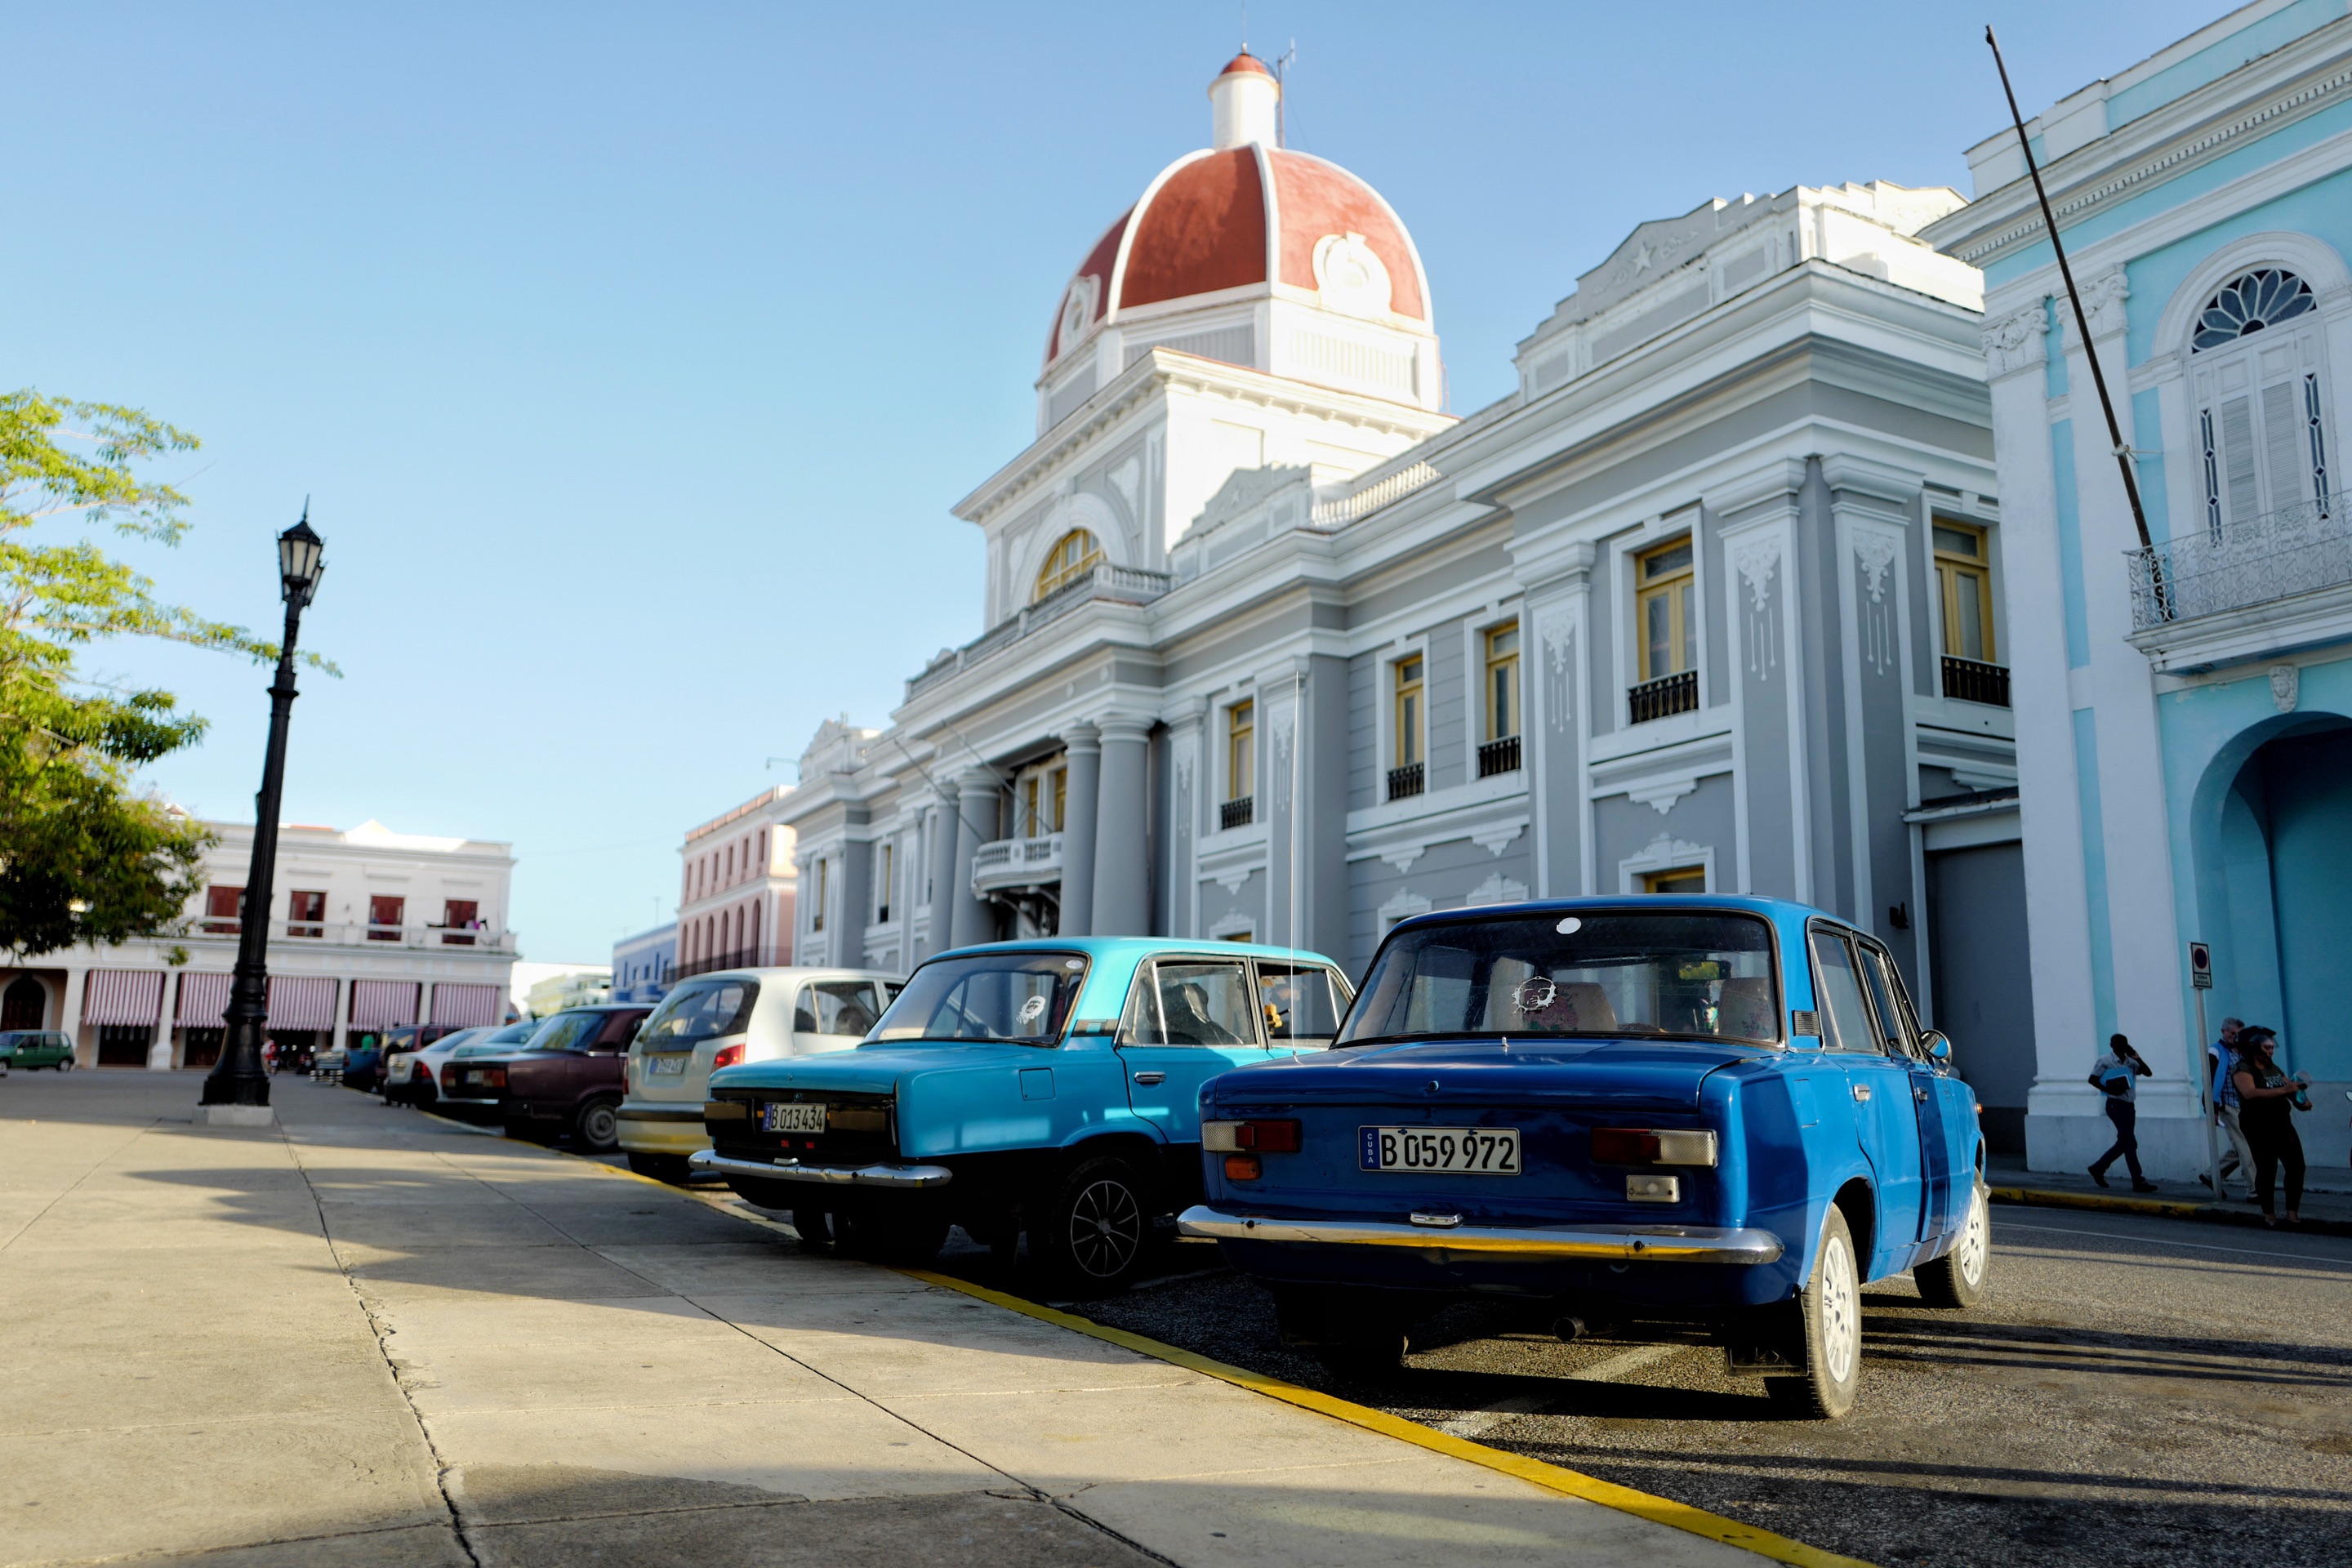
(463, 1037)
(1024, 997)
(507, 1039)
(698, 1010)
(564, 1031)
(1675, 974)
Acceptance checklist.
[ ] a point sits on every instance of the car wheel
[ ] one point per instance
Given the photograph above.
(597, 1126)
(1095, 1227)
(815, 1228)
(1830, 1332)
(909, 1240)
(670, 1168)
(1958, 1279)
(67, 1065)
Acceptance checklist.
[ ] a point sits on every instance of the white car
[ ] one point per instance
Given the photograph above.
(414, 1078)
(731, 1016)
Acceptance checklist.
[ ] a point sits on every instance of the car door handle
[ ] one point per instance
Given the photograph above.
(1151, 1078)
(1919, 1094)
(1862, 1091)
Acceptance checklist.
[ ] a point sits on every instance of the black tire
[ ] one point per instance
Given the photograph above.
(815, 1226)
(907, 1240)
(66, 1065)
(1957, 1280)
(1093, 1230)
(596, 1125)
(670, 1168)
(1829, 1339)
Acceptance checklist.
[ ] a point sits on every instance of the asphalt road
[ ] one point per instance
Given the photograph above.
(2134, 1391)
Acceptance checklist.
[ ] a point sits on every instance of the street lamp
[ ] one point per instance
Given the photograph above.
(236, 1091)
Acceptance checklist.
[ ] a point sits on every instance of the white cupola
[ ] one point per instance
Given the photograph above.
(1244, 105)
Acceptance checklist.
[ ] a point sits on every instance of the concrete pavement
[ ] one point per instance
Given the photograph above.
(371, 1338)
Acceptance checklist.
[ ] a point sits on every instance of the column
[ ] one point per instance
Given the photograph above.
(973, 823)
(1187, 782)
(1083, 744)
(69, 1017)
(1123, 872)
(342, 1012)
(159, 1048)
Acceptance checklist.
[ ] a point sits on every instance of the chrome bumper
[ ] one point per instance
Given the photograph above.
(639, 1111)
(717, 1164)
(1613, 1243)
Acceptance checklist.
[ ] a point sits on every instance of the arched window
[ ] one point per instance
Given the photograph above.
(1073, 556)
(2255, 362)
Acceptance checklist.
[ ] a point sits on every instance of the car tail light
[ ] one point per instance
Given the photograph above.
(1264, 1137)
(727, 1056)
(1242, 1168)
(1648, 1146)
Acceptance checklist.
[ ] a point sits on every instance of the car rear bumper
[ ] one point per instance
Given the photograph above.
(712, 1162)
(649, 1127)
(1534, 1244)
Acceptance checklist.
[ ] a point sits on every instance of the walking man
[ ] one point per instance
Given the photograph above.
(2117, 1075)
(2222, 1058)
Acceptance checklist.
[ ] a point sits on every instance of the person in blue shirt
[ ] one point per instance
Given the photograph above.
(2222, 1056)
(2116, 1076)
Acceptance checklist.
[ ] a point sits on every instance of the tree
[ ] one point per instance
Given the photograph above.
(83, 856)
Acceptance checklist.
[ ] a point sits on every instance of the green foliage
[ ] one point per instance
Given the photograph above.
(82, 858)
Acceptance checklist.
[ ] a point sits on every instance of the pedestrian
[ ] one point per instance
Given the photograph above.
(2116, 1076)
(2239, 1156)
(2268, 1100)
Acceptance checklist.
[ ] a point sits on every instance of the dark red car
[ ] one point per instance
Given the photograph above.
(567, 1078)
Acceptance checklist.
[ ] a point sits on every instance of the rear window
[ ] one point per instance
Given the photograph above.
(1616, 974)
(1022, 998)
(564, 1032)
(698, 1010)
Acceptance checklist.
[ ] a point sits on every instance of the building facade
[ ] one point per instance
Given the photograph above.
(645, 964)
(369, 928)
(1277, 651)
(737, 888)
(2184, 711)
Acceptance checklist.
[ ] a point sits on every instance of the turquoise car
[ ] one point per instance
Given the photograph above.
(1050, 1087)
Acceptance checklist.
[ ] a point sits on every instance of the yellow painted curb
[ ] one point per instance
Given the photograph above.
(1552, 1478)
(2043, 1198)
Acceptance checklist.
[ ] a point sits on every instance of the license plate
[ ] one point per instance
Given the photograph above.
(1443, 1151)
(667, 1067)
(794, 1119)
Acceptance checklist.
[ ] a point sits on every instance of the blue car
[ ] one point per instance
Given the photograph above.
(1049, 1086)
(1649, 1118)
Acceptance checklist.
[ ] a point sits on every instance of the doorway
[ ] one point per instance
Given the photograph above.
(24, 1004)
(124, 1045)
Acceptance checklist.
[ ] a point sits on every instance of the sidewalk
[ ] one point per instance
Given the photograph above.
(371, 1338)
(2327, 1208)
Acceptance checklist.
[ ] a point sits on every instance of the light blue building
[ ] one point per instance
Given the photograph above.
(2183, 713)
(643, 965)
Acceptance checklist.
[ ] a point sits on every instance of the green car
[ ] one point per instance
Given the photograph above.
(36, 1049)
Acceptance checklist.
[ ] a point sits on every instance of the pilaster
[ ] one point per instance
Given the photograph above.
(1122, 894)
(1082, 743)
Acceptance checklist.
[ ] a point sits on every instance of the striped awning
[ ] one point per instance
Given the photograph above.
(468, 1005)
(383, 1004)
(302, 1001)
(202, 999)
(123, 996)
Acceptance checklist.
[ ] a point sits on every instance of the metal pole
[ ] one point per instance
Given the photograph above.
(238, 1079)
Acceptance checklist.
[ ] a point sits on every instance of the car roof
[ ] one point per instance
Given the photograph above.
(788, 972)
(1781, 910)
(1135, 948)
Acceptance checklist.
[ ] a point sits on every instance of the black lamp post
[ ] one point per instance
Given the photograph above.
(238, 1079)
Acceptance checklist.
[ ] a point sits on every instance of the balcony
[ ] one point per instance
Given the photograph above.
(1407, 781)
(1238, 813)
(1663, 698)
(1973, 680)
(1003, 864)
(2247, 590)
(352, 934)
(1499, 757)
(1118, 584)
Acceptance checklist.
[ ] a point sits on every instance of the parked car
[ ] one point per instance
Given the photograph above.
(566, 1078)
(327, 1066)
(410, 1065)
(1046, 1087)
(477, 1102)
(30, 1048)
(363, 1067)
(724, 1018)
(1652, 1116)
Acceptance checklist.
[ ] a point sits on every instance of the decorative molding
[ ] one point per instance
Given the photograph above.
(1666, 853)
(1555, 630)
(1496, 889)
(1660, 795)
(1755, 561)
(1779, 480)
(2103, 302)
(2286, 687)
(1497, 836)
(1403, 904)
(2017, 342)
(1402, 856)
(1232, 923)
(1875, 552)
(1126, 478)
(1232, 878)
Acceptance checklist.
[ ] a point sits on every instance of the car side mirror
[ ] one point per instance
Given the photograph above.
(1939, 1046)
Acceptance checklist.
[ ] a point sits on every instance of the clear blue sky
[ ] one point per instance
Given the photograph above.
(632, 355)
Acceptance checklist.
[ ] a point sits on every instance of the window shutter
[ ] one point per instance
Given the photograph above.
(2237, 460)
(2283, 443)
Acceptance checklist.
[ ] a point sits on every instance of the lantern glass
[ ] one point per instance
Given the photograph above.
(297, 562)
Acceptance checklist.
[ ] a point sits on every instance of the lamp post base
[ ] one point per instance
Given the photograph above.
(236, 1116)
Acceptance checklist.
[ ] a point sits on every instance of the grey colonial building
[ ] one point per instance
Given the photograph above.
(1278, 650)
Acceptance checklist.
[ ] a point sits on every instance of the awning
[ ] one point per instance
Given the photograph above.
(383, 1004)
(123, 996)
(203, 998)
(468, 1005)
(302, 1001)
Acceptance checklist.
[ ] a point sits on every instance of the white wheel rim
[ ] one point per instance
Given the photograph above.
(1976, 1241)
(1841, 1310)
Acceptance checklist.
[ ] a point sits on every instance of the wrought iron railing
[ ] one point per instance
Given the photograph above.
(1120, 584)
(1666, 695)
(1974, 680)
(2235, 565)
(1239, 812)
(1499, 757)
(1408, 780)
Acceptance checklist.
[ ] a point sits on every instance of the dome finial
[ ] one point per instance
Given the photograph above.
(1244, 104)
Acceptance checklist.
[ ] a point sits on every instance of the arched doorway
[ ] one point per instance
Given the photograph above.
(2279, 863)
(23, 1004)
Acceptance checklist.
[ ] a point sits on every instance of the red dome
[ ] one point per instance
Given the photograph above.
(1202, 228)
(1245, 61)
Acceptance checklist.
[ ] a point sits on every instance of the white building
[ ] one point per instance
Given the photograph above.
(736, 887)
(368, 929)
